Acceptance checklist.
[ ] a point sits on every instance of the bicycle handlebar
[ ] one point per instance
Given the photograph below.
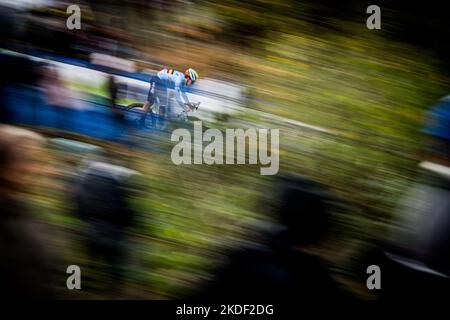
(195, 104)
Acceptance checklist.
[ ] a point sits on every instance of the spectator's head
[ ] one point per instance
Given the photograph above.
(302, 209)
(19, 70)
(49, 73)
(437, 128)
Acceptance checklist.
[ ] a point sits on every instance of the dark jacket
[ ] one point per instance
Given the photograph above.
(23, 260)
(273, 272)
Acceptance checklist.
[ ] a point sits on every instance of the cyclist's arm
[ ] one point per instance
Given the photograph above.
(181, 96)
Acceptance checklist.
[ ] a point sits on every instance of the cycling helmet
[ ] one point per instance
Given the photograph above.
(193, 75)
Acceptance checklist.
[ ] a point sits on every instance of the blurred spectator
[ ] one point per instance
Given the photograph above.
(56, 93)
(18, 72)
(23, 260)
(101, 196)
(433, 239)
(60, 100)
(113, 89)
(416, 261)
(285, 265)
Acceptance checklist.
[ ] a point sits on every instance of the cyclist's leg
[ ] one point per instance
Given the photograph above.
(149, 103)
(150, 96)
(157, 92)
(161, 93)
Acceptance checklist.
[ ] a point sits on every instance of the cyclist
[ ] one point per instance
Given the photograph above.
(170, 78)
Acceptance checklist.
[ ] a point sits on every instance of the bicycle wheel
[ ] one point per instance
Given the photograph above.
(134, 106)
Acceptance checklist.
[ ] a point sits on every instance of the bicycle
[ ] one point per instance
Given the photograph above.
(157, 119)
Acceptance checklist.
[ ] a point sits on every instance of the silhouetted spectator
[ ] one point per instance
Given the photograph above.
(284, 266)
(101, 198)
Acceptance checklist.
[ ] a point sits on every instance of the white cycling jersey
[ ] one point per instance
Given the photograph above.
(176, 80)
